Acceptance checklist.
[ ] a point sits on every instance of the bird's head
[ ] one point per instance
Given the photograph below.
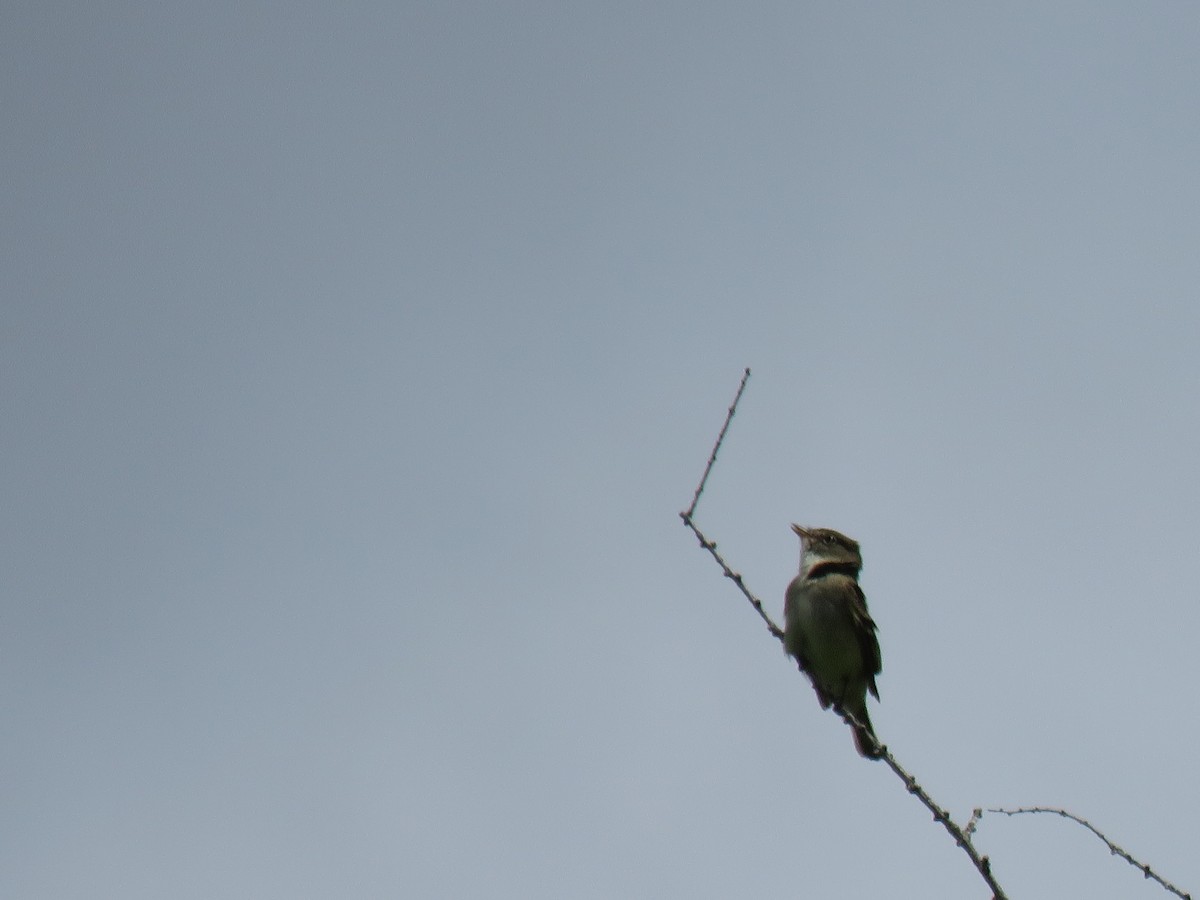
(824, 546)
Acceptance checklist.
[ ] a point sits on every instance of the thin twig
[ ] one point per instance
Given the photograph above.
(939, 815)
(1146, 871)
(712, 458)
(976, 815)
(961, 837)
(733, 576)
(711, 546)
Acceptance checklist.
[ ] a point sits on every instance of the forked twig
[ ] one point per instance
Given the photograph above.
(711, 546)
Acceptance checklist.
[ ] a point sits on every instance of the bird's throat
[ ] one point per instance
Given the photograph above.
(833, 567)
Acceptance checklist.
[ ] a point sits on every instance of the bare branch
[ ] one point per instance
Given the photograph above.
(1146, 871)
(962, 836)
(711, 546)
(733, 576)
(712, 457)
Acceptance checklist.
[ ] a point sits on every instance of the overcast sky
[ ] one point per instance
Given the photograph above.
(356, 360)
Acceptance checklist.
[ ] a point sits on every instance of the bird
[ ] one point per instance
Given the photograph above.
(830, 633)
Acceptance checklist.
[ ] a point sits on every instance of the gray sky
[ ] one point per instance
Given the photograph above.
(357, 359)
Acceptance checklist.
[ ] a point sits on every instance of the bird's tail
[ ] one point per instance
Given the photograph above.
(864, 735)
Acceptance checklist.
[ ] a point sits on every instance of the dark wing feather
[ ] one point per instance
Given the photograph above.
(868, 644)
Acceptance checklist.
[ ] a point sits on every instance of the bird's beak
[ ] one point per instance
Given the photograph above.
(800, 530)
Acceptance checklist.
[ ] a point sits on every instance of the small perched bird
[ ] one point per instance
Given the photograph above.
(828, 630)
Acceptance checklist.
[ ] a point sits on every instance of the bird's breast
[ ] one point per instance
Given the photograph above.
(818, 621)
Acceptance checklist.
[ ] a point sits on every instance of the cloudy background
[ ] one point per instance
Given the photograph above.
(356, 360)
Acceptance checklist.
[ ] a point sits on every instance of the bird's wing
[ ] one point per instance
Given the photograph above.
(868, 644)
